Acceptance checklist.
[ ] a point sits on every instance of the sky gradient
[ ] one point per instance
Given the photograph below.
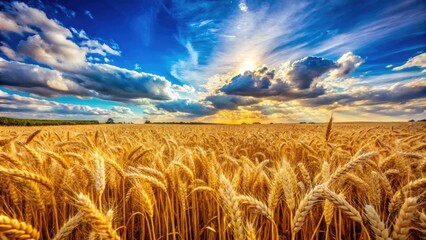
(213, 61)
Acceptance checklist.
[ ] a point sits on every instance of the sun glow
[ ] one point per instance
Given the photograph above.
(247, 66)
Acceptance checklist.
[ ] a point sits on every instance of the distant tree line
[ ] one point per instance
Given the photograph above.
(5, 121)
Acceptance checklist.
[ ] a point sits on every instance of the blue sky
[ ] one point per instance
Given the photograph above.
(213, 61)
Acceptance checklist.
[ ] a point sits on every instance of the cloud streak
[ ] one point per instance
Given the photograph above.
(19, 104)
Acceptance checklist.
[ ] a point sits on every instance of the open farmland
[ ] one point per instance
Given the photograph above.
(348, 181)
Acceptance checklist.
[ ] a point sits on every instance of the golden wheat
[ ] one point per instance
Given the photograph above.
(363, 181)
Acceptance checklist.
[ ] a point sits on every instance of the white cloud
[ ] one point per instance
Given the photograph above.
(9, 52)
(122, 110)
(44, 49)
(243, 6)
(94, 46)
(19, 104)
(347, 63)
(81, 34)
(52, 44)
(49, 42)
(38, 80)
(49, 34)
(417, 61)
(10, 25)
(91, 80)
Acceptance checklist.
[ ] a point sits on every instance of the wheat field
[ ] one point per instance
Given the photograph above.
(313, 181)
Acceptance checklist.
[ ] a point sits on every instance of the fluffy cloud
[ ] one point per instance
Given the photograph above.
(263, 83)
(9, 52)
(122, 110)
(92, 80)
(48, 42)
(303, 72)
(230, 102)
(95, 46)
(9, 24)
(119, 84)
(345, 65)
(294, 80)
(255, 83)
(38, 80)
(187, 106)
(417, 61)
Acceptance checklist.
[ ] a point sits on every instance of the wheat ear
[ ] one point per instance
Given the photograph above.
(258, 205)
(69, 226)
(328, 211)
(29, 176)
(17, 230)
(350, 165)
(402, 223)
(341, 203)
(32, 136)
(229, 198)
(98, 220)
(310, 199)
(328, 131)
(378, 227)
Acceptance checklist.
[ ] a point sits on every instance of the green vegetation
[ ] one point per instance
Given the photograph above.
(5, 121)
